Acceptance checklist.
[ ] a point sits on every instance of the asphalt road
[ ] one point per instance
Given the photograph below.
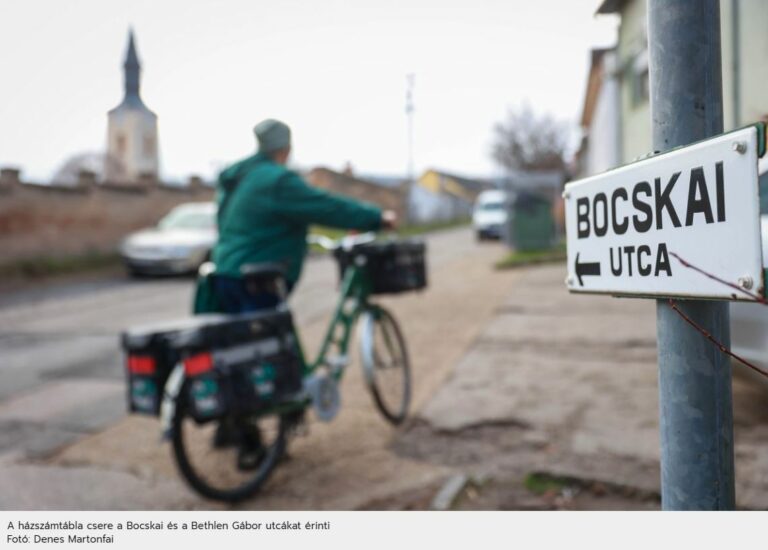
(61, 374)
(513, 377)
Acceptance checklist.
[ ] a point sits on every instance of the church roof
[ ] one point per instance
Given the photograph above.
(132, 74)
(131, 58)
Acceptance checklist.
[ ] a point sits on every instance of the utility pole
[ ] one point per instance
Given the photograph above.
(736, 62)
(410, 80)
(695, 401)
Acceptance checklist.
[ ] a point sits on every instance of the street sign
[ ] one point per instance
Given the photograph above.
(628, 228)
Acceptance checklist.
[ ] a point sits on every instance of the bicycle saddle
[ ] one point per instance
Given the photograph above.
(266, 277)
(263, 271)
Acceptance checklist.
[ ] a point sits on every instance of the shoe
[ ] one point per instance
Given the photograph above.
(251, 452)
(226, 435)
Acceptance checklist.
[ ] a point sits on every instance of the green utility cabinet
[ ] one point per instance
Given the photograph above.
(530, 224)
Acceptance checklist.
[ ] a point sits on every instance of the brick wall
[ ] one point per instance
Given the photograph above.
(54, 220)
(49, 220)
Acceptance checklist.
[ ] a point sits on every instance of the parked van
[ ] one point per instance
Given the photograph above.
(490, 214)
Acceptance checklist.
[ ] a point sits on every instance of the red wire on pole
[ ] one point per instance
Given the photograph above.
(702, 330)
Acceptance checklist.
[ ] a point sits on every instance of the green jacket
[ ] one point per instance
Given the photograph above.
(265, 211)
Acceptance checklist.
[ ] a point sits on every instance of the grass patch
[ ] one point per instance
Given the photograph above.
(47, 266)
(420, 229)
(539, 483)
(542, 483)
(532, 257)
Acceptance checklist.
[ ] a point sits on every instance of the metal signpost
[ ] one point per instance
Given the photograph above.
(637, 229)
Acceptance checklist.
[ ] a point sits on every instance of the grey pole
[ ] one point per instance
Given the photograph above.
(696, 414)
(736, 62)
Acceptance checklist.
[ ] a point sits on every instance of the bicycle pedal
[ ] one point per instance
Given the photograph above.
(299, 425)
(338, 362)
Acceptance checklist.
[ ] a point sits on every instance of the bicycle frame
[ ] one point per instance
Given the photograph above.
(353, 300)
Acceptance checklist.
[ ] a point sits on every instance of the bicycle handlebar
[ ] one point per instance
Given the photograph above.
(346, 242)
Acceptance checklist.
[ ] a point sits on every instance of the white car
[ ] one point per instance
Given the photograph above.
(749, 322)
(179, 244)
(490, 214)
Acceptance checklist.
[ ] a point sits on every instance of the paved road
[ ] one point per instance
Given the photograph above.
(512, 377)
(61, 377)
(60, 344)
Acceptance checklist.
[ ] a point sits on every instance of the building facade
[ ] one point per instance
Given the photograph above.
(441, 197)
(601, 145)
(744, 46)
(132, 145)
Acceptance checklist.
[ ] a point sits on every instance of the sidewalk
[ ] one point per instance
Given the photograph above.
(560, 391)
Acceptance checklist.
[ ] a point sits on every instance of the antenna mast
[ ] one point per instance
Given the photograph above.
(410, 80)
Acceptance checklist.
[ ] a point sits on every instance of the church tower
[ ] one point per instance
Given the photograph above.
(132, 153)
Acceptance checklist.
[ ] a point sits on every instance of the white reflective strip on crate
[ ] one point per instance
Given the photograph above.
(248, 352)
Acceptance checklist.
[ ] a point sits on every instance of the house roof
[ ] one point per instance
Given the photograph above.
(594, 81)
(611, 6)
(342, 179)
(460, 186)
(383, 179)
(469, 184)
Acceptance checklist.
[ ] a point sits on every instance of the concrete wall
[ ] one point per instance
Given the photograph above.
(52, 221)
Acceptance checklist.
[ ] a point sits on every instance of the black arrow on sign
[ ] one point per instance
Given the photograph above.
(586, 268)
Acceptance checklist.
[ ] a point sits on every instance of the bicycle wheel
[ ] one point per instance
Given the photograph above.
(227, 459)
(385, 363)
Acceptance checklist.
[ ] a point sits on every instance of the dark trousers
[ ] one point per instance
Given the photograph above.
(233, 296)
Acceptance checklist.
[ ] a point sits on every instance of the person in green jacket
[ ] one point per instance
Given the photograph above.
(264, 214)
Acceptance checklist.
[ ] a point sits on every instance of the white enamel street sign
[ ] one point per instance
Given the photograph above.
(624, 227)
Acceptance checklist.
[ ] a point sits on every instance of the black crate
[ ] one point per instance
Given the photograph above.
(150, 358)
(243, 388)
(224, 331)
(241, 364)
(392, 266)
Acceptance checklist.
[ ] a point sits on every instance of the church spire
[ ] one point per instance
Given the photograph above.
(131, 129)
(132, 69)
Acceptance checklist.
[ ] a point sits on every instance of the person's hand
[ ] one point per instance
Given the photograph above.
(389, 219)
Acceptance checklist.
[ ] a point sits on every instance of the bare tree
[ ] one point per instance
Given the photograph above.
(528, 141)
(93, 162)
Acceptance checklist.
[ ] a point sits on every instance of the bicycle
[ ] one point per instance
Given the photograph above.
(228, 452)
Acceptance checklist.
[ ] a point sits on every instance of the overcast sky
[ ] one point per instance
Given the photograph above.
(334, 70)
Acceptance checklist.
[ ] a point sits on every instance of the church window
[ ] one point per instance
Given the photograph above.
(120, 145)
(149, 146)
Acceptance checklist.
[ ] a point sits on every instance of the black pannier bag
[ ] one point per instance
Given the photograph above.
(149, 359)
(240, 365)
(393, 266)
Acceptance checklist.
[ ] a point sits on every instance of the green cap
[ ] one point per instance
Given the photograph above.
(272, 135)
